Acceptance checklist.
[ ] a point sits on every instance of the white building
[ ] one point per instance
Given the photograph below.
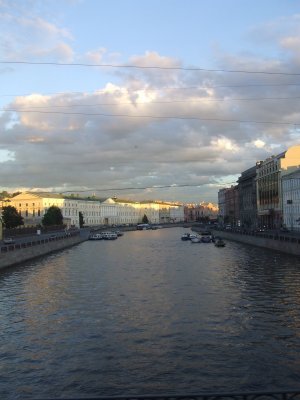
(291, 200)
(32, 206)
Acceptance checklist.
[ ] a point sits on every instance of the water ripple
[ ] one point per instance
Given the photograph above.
(150, 314)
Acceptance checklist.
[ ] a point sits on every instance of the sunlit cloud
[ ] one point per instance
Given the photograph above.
(259, 143)
(224, 143)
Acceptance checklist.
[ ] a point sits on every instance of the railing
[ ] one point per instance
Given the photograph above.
(36, 242)
(282, 395)
(274, 236)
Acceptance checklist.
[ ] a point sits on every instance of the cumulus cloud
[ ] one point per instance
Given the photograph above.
(148, 127)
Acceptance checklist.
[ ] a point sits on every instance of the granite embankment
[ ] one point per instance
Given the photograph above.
(18, 253)
(280, 242)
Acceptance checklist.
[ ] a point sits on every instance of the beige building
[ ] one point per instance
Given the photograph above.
(291, 200)
(32, 206)
(159, 212)
(269, 175)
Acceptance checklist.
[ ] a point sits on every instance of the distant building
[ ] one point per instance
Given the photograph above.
(222, 206)
(291, 200)
(162, 212)
(32, 206)
(248, 198)
(200, 212)
(269, 175)
(232, 206)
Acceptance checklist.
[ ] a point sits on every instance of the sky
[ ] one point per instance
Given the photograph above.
(145, 100)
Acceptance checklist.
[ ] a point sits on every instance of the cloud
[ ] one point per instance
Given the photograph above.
(42, 27)
(259, 143)
(25, 37)
(146, 127)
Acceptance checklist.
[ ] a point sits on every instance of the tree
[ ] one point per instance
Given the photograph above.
(145, 219)
(81, 220)
(53, 216)
(11, 218)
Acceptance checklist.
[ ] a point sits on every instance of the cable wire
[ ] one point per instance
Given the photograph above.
(154, 117)
(151, 67)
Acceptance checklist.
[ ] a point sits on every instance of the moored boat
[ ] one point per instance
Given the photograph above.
(186, 236)
(109, 235)
(206, 239)
(196, 239)
(96, 236)
(219, 242)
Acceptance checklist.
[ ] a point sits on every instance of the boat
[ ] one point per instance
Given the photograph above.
(109, 235)
(206, 239)
(96, 236)
(219, 242)
(186, 236)
(196, 239)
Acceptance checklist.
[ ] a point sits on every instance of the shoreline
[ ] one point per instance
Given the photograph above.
(285, 244)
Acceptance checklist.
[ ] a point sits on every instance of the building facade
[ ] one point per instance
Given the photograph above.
(248, 199)
(222, 206)
(291, 200)
(200, 212)
(232, 206)
(268, 187)
(32, 206)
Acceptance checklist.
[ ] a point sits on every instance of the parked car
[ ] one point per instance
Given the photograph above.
(9, 240)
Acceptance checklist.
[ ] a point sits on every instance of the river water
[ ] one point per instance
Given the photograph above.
(150, 314)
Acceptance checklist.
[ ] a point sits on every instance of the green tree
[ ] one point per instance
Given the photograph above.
(53, 216)
(11, 218)
(81, 220)
(145, 219)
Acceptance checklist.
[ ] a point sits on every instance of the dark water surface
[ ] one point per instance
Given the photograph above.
(149, 313)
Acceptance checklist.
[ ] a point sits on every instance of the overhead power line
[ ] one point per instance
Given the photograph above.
(153, 90)
(134, 188)
(153, 117)
(151, 67)
(187, 101)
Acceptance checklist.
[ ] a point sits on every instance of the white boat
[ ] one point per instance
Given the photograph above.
(96, 236)
(109, 235)
(196, 239)
(189, 236)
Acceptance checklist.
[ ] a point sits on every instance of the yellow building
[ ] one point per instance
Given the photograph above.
(269, 174)
(32, 206)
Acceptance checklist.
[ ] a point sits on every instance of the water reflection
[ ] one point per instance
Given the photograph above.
(150, 314)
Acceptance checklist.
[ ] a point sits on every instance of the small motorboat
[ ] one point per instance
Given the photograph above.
(219, 243)
(109, 235)
(186, 236)
(96, 236)
(206, 239)
(196, 239)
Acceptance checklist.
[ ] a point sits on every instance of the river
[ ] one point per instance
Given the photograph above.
(150, 314)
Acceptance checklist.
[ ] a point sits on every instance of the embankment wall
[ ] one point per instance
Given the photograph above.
(13, 255)
(285, 244)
